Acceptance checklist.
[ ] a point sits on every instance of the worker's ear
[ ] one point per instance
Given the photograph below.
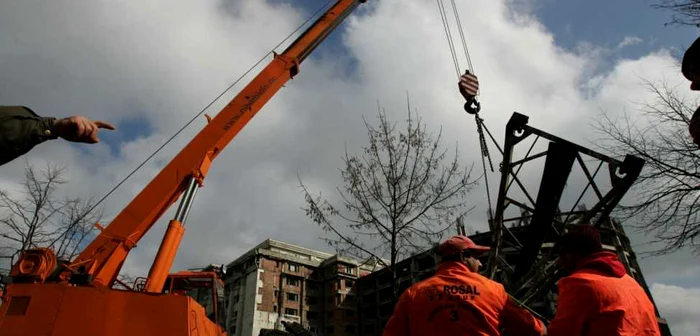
(466, 254)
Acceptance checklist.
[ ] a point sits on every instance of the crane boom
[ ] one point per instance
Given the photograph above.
(103, 257)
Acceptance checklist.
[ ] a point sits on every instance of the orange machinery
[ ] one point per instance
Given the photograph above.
(47, 296)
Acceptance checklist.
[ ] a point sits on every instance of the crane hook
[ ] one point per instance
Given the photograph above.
(472, 106)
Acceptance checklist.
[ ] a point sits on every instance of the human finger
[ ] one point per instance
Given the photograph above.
(104, 124)
(93, 135)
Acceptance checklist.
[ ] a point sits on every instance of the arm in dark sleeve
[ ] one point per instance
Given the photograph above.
(518, 321)
(20, 130)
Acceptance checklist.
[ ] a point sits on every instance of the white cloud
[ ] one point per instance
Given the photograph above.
(163, 62)
(628, 41)
(680, 306)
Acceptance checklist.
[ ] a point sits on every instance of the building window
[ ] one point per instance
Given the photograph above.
(349, 269)
(293, 267)
(236, 298)
(290, 311)
(292, 282)
(274, 309)
(277, 294)
(292, 297)
(349, 283)
(233, 330)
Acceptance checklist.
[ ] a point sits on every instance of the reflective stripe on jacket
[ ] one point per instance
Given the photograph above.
(598, 299)
(456, 301)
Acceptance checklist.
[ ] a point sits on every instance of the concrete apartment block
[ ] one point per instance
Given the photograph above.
(277, 281)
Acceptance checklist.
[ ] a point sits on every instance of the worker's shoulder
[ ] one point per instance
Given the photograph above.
(633, 286)
(579, 281)
(581, 278)
(493, 285)
(597, 282)
(428, 282)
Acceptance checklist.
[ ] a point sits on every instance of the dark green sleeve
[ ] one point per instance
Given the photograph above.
(20, 130)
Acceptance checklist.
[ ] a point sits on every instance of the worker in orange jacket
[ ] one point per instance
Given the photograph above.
(598, 297)
(459, 301)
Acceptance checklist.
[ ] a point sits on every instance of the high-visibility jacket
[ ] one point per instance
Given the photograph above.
(599, 298)
(456, 301)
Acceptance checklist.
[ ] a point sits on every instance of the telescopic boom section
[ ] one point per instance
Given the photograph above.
(103, 258)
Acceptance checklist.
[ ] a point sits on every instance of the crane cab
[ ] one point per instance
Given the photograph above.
(204, 287)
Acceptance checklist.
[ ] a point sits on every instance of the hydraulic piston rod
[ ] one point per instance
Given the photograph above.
(171, 241)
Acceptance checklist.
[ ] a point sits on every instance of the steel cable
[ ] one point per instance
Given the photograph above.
(479, 122)
(199, 114)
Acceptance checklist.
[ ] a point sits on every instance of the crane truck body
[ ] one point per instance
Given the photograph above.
(47, 296)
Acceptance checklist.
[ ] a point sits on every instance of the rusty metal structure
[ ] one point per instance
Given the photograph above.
(527, 220)
(541, 213)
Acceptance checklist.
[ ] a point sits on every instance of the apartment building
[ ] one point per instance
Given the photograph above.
(277, 281)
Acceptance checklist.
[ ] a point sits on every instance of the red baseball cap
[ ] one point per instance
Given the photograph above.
(456, 244)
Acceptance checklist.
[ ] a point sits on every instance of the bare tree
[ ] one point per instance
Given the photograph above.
(685, 12)
(125, 281)
(35, 217)
(398, 196)
(667, 193)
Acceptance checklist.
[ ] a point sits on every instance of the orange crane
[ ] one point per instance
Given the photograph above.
(47, 296)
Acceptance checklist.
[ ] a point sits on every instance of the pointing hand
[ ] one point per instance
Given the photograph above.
(79, 129)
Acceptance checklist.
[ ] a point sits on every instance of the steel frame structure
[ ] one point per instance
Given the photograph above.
(533, 271)
(528, 269)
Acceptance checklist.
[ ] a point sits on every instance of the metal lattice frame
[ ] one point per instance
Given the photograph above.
(521, 255)
(533, 272)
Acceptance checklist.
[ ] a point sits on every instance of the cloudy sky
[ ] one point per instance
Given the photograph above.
(150, 66)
